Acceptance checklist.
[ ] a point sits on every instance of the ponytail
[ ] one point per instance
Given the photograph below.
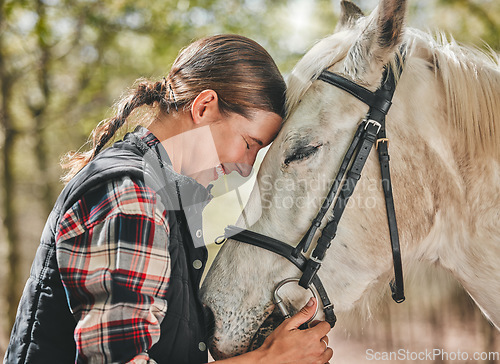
(146, 93)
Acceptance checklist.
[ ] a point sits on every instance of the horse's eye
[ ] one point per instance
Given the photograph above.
(302, 153)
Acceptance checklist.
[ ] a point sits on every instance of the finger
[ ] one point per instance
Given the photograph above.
(325, 339)
(303, 315)
(327, 355)
(321, 329)
(314, 323)
(323, 344)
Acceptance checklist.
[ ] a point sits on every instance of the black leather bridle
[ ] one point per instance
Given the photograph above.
(370, 131)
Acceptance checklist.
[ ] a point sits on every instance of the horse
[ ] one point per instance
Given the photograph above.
(443, 131)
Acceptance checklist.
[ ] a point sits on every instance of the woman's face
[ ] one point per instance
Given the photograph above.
(238, 139)
(214, 143)
(206, 143)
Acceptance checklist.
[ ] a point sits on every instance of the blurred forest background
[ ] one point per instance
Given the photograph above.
(63, 63)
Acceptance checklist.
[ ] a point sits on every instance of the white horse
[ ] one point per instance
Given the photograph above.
(444, 131)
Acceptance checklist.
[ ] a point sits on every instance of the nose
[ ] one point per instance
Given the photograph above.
(247, 164)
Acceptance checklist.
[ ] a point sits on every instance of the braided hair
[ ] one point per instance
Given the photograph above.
(146, 93)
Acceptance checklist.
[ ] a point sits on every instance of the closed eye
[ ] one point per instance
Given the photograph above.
(248, 145)
(302, 153)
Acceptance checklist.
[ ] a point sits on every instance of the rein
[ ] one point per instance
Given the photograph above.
(370, 131)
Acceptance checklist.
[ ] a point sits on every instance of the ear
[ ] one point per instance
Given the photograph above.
(349, 14)
(378, 42)
(205, 108)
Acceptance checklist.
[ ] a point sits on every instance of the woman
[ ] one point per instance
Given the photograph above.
(117, 273)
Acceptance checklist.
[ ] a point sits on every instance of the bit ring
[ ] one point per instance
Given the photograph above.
(278, 301)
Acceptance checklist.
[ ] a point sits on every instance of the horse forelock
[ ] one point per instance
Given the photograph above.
(325, 53)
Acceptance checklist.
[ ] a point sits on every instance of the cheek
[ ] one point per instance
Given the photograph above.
(237, 153)
(233, 152)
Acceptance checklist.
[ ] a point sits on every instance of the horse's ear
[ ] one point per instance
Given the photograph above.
(349, 13)
(378, 41)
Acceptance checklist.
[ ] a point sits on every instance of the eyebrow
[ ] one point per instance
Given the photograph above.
(257, 141)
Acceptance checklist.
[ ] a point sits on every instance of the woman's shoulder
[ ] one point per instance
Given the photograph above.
(116, 198)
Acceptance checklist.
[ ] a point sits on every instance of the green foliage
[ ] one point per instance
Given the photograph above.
(472, 21)
(90, 51)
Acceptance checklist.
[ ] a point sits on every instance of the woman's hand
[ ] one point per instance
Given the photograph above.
(289, 344)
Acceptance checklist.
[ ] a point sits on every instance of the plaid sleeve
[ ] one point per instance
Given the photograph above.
(112, 251)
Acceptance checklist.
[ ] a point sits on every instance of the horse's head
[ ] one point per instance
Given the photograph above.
(301, 165)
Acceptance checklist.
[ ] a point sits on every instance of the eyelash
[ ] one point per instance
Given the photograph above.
(248, 146)
(302, 154)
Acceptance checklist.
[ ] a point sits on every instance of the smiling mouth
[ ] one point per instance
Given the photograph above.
(220, 170)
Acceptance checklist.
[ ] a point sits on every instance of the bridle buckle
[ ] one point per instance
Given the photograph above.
(382, 140)
(376, 123)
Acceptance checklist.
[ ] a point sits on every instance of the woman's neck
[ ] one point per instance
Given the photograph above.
(169, 130)
(190, 147)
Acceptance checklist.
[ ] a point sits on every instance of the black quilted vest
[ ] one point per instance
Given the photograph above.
(44, 326)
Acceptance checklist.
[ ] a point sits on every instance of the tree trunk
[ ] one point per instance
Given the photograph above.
(8, 182)
(39, 111)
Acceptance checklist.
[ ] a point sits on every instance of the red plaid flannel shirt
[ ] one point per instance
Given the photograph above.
(112, 251)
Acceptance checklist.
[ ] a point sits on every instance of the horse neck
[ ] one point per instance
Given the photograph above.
(448, 180)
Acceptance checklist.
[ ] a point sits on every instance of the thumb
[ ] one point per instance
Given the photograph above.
(303, 315)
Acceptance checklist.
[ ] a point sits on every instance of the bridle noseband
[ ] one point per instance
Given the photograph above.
(370, 131)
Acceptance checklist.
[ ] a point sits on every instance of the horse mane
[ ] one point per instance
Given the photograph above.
(471, 81)
(470, 77)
